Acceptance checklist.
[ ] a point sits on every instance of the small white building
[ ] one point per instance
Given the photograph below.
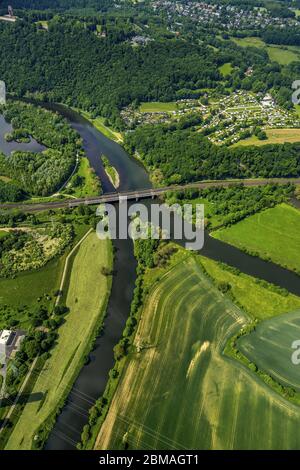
(6, 337)
(267, 101)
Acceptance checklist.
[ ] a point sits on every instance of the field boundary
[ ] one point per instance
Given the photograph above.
(67, 265)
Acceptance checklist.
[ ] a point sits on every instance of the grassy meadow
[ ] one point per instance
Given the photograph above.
(226, 69)
(179, 391)
(275, 136)
(99, 123)
(86, 297)
(249, 42)
(256, 297)
(92, 185)
(157, 107)
(270, 347)
(281, 54)
(272, 234)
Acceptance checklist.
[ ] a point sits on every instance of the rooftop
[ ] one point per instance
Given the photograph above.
(4, 336)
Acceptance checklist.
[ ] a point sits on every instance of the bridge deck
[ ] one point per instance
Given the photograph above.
(143, 194)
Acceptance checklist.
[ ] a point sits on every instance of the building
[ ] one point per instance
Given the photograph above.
(10, 16)
(6, 339)
(10, 342)
(267, 101)
(2, 93)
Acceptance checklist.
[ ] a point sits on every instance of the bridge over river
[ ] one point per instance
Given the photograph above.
(142, 194)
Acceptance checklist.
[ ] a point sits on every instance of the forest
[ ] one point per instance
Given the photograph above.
(38, 174)
(180, 156)
(236, 202)
(103, 75)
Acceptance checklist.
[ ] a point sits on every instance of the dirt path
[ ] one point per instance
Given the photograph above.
(67, 265)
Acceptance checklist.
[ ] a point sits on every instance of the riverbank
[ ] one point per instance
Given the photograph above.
(75, 340)
(99, 124)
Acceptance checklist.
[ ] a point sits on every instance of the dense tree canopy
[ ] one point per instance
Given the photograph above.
(183, 155)
(42, 173)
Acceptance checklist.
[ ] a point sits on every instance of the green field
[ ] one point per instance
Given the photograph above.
(275, 136)
(259, 299)
(179, 391)
(272, 234)
(226, 69)
(281, 55)
(158, 107)
(87, 298)
(270, 348)
(111, 172)
(91, 185)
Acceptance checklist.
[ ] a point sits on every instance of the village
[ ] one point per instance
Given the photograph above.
(236, 117)
(225, 120)
(223, 16)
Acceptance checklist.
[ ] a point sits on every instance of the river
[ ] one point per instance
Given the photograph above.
(8, 147)
(92, 379)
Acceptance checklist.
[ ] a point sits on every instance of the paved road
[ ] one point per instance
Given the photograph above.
(142, 194)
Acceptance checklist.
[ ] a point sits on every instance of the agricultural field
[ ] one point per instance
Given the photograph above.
(272, 234)
(75, 336)
(274, 136)
(270, 348)
(202, 397)
(158, 107)
(258, 298)
(85, 182)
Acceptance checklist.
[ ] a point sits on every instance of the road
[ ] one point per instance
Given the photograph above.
(142, 194)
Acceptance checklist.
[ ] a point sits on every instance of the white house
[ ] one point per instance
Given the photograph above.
(5, 338)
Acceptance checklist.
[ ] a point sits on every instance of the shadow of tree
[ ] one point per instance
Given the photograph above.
(24, 398)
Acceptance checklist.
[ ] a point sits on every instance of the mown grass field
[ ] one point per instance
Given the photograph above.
(157, 107)
(275, 136)
(86, 297)
(270, 348)
(272, 234)
(180, 392)
(259, 299)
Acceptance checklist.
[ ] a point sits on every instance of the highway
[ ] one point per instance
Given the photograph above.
(141, 194)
